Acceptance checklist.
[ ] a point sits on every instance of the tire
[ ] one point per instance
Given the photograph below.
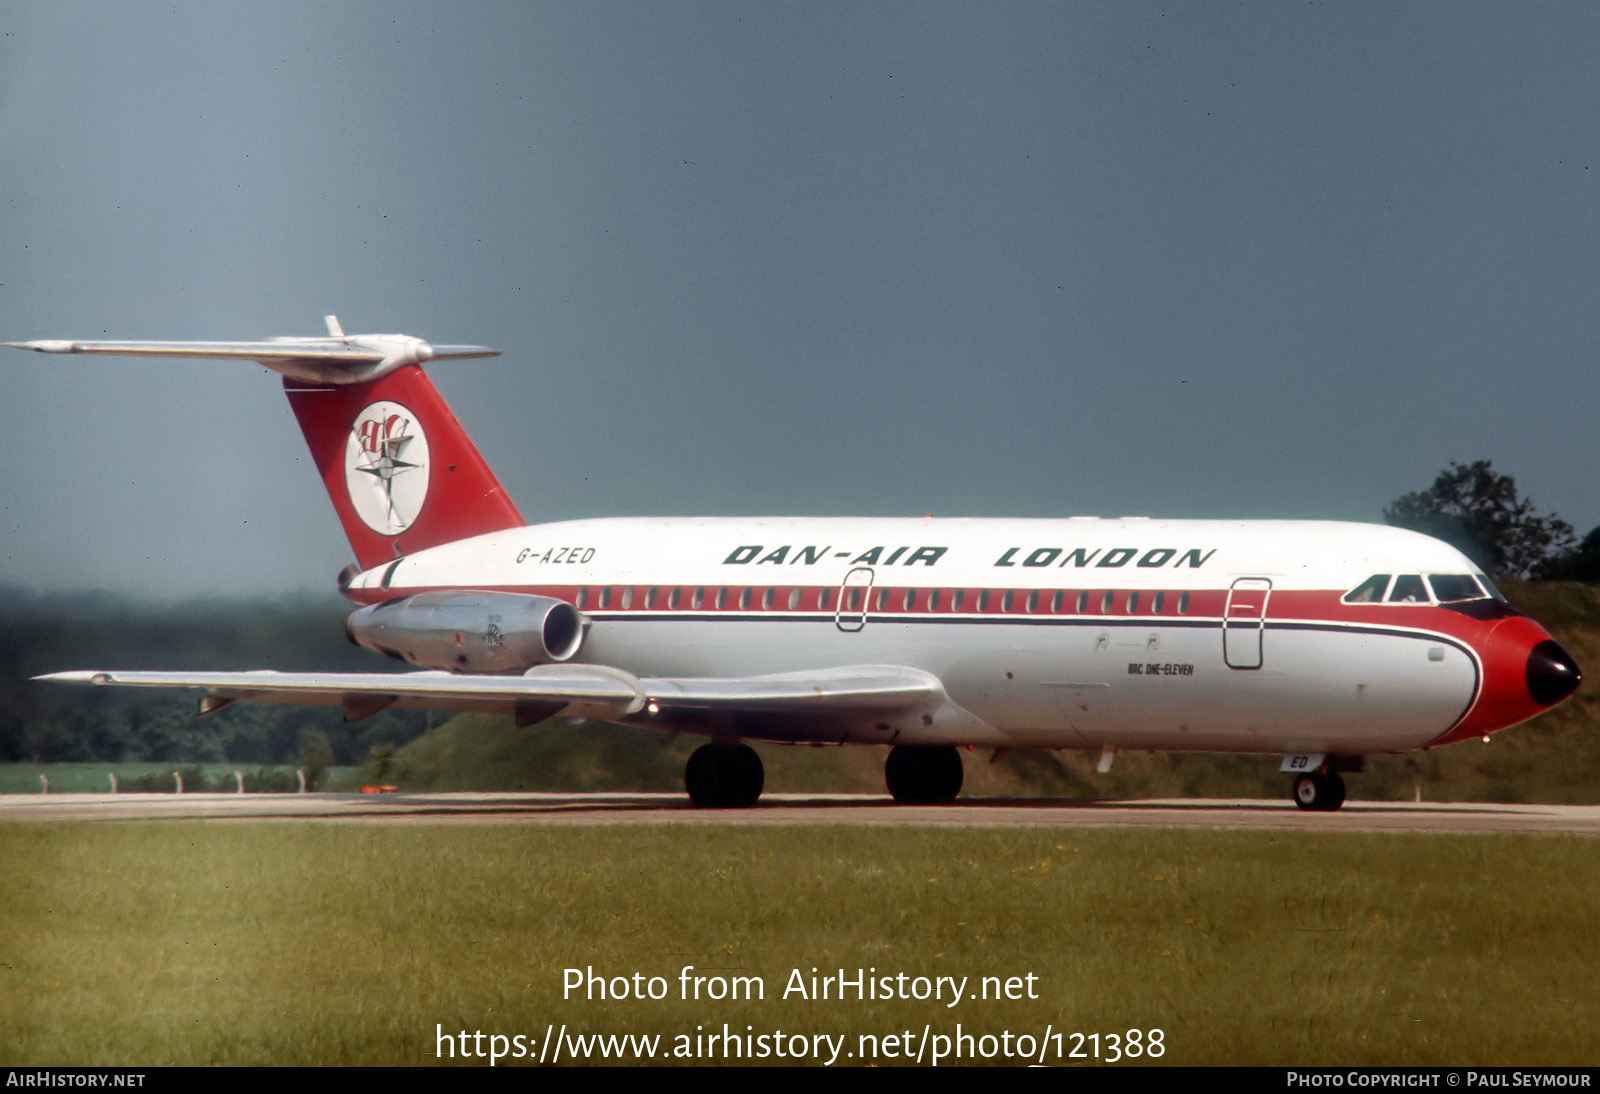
(1319, 793)
(724, 777)
(923, 774)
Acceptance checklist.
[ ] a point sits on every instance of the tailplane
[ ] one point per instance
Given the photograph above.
(401, 472)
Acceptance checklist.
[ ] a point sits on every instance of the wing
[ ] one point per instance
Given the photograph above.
(853, 703)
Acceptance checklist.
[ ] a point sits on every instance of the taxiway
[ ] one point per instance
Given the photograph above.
(792, 809)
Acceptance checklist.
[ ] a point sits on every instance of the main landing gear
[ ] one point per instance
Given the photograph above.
(1319, 791)
(724, 776)
(731, 776)
(923, 774)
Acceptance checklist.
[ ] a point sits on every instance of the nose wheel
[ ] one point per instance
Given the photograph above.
(1320, 792)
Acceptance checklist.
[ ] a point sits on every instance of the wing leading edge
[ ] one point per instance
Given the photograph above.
(881, 703)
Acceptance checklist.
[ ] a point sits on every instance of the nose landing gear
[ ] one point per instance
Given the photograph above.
(1318, 791)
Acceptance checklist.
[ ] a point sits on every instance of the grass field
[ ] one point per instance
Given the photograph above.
(143, 944)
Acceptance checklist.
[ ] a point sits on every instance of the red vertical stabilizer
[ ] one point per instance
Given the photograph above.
(402, 473)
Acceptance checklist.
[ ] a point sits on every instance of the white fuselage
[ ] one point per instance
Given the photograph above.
(1075, 633)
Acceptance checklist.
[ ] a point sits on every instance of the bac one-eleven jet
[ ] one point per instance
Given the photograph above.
(1319, 642)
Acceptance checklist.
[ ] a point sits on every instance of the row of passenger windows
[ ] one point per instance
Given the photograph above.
(1379, 588)
(888, 600)
(1409, 589)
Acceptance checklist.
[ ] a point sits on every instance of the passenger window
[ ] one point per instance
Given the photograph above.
(911, 600)
(883, 600)
(794, 598)
(1105, 602)
(955, 601)
(983, 601)
(1083, 602)
(1369, 591)
(583, 595)
(672, 597)
(650, 598)
(766, 600)
(1056, 601)
(933, 600)
(1159, 603)
(823, 599)
(1133, 602)
(697, 599)
(744, 600)
(1183, 603)
(1408, 589)
(605, 597)
(1449, 587)
(1005, 601)
(627, 597)
(1033, 601)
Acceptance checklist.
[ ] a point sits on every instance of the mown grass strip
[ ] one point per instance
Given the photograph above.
(143, 944)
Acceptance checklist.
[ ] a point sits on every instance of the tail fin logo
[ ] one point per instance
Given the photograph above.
(386, 467)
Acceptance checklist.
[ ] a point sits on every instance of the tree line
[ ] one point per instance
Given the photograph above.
(1480, 512)
(58, 723)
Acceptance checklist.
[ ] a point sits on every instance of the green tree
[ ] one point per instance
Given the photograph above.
(1580, 563)
(1478, 510)
(316, 755)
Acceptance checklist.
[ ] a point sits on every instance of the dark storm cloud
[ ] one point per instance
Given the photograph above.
(1022, 260)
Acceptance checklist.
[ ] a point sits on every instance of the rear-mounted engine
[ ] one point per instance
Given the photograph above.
(470, 632)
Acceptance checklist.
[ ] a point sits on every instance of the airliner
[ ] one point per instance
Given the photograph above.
(1319, 642)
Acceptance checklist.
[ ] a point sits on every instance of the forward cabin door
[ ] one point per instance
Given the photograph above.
(1243, 622)
(851, 615)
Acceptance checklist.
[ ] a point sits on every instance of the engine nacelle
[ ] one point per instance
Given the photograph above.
(470, 632)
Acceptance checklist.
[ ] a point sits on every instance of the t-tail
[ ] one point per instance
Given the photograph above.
(401, 472)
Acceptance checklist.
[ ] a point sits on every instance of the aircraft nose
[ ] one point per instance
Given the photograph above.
(1552, 673)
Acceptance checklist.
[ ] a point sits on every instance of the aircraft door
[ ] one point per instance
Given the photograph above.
(1243, 621)
(854, 592)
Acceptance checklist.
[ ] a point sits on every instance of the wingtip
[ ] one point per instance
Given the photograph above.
(77, 677)
(43, 345)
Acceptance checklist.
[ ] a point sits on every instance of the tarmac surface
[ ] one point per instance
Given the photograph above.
(790, 809)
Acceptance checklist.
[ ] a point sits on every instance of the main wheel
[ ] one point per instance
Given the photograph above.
(923, 774)
(724, 776)
(1318, 792)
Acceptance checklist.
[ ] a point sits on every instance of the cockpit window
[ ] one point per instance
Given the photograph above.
(1488, 587)
(1369, 591)
(1408, 589)
(1449, 587)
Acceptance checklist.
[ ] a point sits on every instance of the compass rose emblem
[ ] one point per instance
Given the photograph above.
(386, 467)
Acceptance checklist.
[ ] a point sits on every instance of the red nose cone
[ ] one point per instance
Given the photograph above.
(1524, 673)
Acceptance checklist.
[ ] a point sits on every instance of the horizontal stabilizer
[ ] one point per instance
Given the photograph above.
(340, 359)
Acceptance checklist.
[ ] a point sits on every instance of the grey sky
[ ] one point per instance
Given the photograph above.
(1028, 260)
